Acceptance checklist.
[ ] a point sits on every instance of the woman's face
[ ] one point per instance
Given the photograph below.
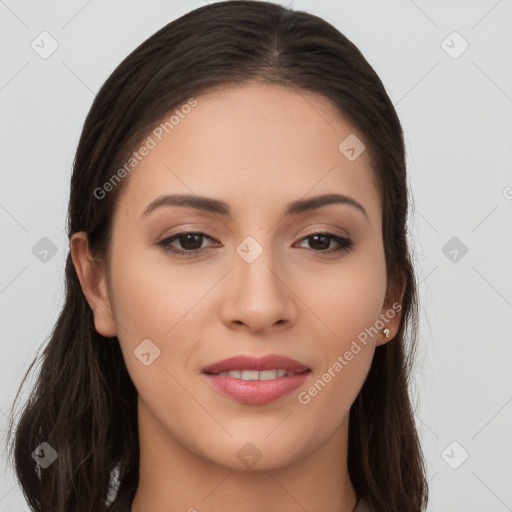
(256, 282)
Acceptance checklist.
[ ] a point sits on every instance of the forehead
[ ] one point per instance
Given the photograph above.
(253, 146)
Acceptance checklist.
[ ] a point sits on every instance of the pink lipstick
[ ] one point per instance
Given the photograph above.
(256, 381)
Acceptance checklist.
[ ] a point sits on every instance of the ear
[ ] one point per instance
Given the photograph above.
(391, 312)
(93, 281)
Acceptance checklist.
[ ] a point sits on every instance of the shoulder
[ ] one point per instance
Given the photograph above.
(363, 506)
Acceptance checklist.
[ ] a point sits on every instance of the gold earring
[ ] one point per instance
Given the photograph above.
(386, 332)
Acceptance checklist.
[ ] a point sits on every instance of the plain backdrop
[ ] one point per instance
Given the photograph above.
(447, 68)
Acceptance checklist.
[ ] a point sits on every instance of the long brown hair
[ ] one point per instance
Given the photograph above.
(83, 403)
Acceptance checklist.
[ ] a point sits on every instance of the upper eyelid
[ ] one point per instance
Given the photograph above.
(179, 234)
(329, 227)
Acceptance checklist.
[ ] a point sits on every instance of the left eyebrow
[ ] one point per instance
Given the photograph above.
(220, 207)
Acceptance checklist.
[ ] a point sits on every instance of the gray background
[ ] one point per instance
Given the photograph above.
(456, 112)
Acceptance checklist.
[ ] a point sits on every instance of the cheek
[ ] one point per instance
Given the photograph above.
(152, 304)
(150, 298)
(347, 298)
(144, 309)
(153, 300)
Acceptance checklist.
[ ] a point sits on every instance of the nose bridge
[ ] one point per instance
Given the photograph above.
(259, 298)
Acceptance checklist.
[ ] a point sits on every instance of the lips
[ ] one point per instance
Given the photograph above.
(269, 362)
(254, 381)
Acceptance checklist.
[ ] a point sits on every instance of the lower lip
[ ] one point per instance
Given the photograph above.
(256, 392)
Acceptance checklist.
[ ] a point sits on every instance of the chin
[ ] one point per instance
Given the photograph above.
(258, 452)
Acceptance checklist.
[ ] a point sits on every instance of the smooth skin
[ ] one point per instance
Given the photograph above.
(257, 148)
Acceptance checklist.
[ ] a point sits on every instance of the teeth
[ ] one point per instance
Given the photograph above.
(250, 374)
(237, 374)
(268, 374)
(256, 375)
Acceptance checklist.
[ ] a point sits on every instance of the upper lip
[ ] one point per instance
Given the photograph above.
(268, 362)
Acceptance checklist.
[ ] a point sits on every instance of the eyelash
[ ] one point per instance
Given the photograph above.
(345, 243)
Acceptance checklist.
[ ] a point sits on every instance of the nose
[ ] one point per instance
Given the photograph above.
(258, 297)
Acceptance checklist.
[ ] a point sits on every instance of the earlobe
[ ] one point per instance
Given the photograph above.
(391, 314)
(390, 317)
(93, 281)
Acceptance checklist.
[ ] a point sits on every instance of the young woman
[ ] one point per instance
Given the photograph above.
(239, 290)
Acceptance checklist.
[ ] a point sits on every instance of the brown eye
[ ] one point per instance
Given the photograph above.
(321, 243)
(189, 243)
